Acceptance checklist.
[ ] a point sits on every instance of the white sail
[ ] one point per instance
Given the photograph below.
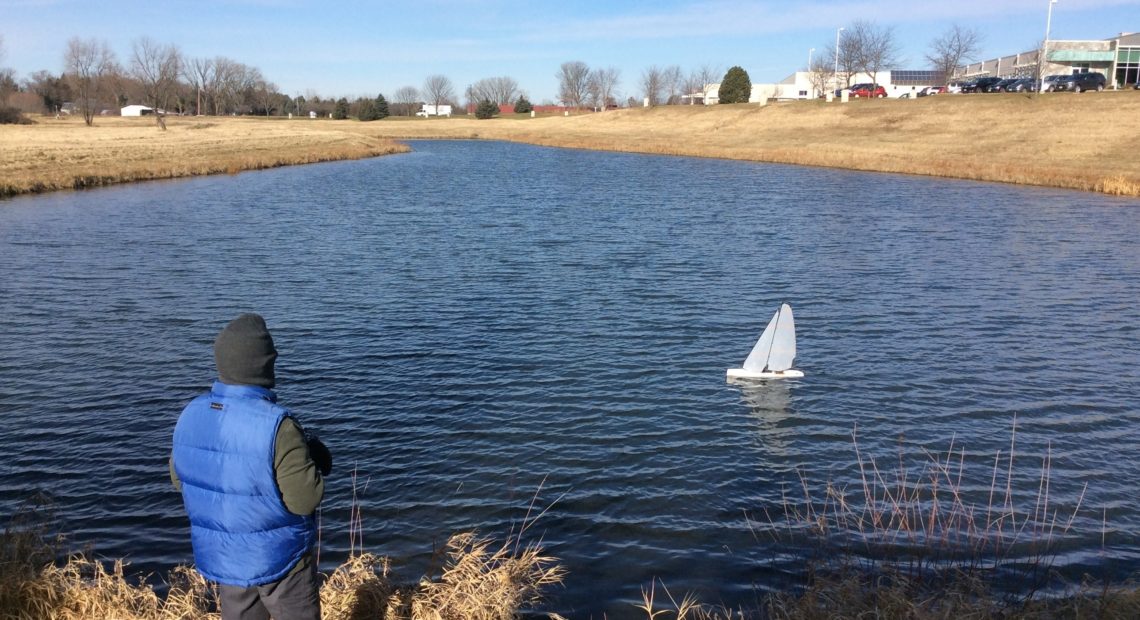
(758, 359)
(784, 342)
(776, 349)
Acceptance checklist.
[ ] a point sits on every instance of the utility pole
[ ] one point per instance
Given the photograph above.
(836, 73)
(809, 72)
(1045, 48)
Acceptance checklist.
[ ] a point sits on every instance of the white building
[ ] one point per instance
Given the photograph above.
(136, 110)
(806, 85)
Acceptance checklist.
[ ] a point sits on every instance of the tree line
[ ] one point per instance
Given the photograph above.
(162, 77)
(868, 48)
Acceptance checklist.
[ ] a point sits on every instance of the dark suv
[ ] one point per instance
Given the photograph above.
(1081, 81)
(980, 85)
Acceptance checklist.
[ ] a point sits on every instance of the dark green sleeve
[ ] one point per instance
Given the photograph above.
(298, 478)
(174, 476)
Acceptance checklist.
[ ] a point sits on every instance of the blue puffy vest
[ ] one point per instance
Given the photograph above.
(241, 532)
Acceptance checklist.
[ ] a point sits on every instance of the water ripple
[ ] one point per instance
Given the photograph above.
(459, 335)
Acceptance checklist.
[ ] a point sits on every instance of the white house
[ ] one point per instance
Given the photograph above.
(136, 110)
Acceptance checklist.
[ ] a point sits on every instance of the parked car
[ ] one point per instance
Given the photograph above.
(868, 90)
(979, 85)
(953, 88)
(1050, 82)
(1002, 86)
(1080, 81)
(931, 90)
(982, 85)
(1022, 85)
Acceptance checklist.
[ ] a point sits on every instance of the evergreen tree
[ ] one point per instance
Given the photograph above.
(736, 87)
(381, 106)
(366, 109)
(523, 106)
(486, 109)
(340, 112)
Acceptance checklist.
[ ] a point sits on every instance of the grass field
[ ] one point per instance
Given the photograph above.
(1079, 141)
(66, 154)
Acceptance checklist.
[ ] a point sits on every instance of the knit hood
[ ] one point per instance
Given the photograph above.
(244, 352)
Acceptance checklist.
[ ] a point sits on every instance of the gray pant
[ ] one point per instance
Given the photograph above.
(294, 597)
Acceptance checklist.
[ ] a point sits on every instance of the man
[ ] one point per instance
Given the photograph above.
(251, 480)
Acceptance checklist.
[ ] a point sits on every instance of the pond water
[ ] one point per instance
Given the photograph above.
(475, 326)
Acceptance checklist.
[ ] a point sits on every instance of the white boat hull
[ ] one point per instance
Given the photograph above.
(740, 373)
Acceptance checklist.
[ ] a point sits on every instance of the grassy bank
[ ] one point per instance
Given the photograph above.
(1078, 141)
(65, 154)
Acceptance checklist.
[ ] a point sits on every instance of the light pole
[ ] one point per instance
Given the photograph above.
(835, 74)
(809, 72)
(1045, 47)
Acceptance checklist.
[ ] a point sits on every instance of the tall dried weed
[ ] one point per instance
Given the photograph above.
(477, 581)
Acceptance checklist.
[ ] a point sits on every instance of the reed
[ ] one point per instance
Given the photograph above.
(906, 543)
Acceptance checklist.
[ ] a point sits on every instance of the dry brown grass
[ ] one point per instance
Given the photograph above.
(475, 583)
(475, 580)
(1078, 141)
(66, 154)
(481, 582)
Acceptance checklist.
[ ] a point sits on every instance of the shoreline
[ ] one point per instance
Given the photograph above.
(55, 155)
(1061, 140)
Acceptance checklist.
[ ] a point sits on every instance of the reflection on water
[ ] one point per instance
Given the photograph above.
(771, 404)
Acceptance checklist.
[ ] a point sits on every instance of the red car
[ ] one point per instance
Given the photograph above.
(868, 90)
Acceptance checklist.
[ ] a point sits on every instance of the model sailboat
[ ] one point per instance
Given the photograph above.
(774, 353)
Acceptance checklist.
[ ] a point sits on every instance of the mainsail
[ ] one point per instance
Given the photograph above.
(776, 349)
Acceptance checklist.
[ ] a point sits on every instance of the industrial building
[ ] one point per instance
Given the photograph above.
(1118, 58)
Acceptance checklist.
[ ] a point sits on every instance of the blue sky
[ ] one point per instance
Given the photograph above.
(362, 48)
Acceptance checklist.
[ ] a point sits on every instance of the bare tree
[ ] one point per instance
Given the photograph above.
(225, 84)
(233, 86)
(820, 74)
(438, 90)
(7, 78)
(701, 80)
(873, 46)
(200, 73)
(845, 61)
(157, 68)
(87, 64)
(500, 90)
(651, 84)
(266, 95)
(573, 83)
(404, 101)
(602, 84)
(671, 79)
(952, 48)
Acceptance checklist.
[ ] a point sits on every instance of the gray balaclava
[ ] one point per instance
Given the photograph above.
(244, 352)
